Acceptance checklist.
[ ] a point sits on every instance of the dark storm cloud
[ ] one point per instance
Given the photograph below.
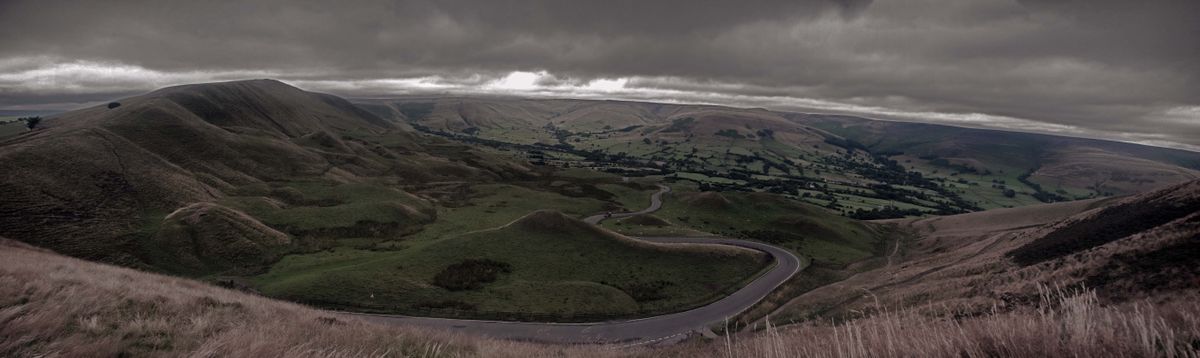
(1121, 69)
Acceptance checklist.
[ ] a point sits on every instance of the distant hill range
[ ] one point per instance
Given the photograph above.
(1056, 161)
(986, 168)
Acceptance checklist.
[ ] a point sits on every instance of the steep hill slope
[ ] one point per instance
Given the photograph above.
(1142, 246)
(98, 182)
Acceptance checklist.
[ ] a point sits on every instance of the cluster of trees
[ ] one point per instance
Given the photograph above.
(30, 122)
(1038, 193)
(887, 212)
(890, 172)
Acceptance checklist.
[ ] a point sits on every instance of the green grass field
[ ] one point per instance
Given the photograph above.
(558, 266)
(369, 246)
(493, 205)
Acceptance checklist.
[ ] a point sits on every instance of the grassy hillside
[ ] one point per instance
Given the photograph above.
(99, 182)
(206, 238)
(87, 183)
(542, 263)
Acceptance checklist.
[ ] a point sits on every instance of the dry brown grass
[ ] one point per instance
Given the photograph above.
(52, 305)
(1068, 324)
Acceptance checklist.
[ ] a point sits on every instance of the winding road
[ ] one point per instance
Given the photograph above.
(668, 327)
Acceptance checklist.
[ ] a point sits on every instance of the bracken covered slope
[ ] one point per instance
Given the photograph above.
(1137, 247)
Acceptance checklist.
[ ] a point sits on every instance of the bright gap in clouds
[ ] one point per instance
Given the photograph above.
(607, 85)
(519, 80)
(543, 81)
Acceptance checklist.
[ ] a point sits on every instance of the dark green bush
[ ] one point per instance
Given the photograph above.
(470, 274)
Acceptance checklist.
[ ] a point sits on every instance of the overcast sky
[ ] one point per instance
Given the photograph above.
(1118, 69)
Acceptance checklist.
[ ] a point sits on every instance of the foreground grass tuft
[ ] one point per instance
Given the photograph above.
(1064, 324)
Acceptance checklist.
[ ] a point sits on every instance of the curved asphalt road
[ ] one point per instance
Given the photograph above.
(667, 327)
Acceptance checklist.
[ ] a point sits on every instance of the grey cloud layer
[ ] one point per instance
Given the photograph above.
(1105, 65)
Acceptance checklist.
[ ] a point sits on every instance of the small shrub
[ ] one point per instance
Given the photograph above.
(470, 274)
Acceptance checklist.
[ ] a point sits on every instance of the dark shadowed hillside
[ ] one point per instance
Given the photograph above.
(1136, 247)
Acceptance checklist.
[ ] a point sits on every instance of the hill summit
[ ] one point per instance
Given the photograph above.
(550, 222)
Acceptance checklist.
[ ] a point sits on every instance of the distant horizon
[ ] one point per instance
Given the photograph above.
(465, 94)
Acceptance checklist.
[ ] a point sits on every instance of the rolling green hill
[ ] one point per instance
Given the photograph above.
(98, 182)
(542, 263)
